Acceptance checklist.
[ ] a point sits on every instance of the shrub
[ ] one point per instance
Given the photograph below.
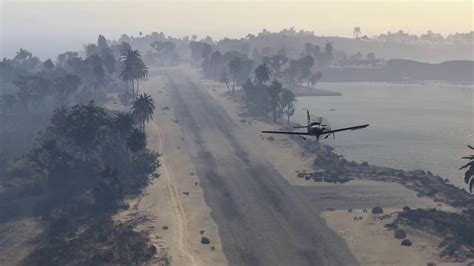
(205, 240)
(406, 242)
(400, 234)
(377, 210)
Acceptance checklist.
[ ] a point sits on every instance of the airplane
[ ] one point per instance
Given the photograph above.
(316, 128)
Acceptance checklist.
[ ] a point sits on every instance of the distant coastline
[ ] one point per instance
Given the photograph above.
(402, 71)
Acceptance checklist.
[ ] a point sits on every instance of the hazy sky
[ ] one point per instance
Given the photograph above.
(49, 27)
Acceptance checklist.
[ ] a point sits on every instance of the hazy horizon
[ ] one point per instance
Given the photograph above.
(69, 25)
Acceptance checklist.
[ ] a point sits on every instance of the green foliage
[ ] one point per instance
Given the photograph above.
(469, 174)
(143, 109)
(263, 99)
(262, 74)
(136, 141)
(134, 68)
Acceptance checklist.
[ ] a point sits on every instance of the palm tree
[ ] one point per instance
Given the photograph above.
(262, 74)
(234, 67)
(142, 109)
(133, 68)
(469, 175)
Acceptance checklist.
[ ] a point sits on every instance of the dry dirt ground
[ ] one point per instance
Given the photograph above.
(373, 244)
(221, 179)
(172, 208)
(288, 157)
(18, 239)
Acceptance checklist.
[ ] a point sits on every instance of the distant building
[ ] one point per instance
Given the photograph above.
(357, 32)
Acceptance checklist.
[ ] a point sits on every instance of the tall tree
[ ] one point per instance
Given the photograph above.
(206, 51)
(48, 64)
(288, 104)
(22, 55)
(234, 67)
(143, 108)
(262, 74)
(134, 69)
(215, 62)
(274, 98)
(84, 127)
(65, 87)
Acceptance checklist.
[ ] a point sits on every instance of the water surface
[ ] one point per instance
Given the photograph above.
(412, 126)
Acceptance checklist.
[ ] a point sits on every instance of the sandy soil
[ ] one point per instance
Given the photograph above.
(186, 216)
(362, 234)
(18, 239)
(288, 157)
(172, 208)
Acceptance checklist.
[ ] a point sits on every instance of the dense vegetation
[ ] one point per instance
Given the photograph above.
(72, 161)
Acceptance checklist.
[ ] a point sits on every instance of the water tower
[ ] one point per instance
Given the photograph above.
(357, 32)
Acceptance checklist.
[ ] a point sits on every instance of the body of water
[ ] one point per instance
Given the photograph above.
(412, 126)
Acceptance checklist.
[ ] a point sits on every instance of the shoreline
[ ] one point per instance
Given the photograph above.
(429, 192)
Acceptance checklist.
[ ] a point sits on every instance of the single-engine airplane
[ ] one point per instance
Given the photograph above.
(316, 128)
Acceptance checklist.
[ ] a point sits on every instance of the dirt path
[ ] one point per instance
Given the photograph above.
(176, 202)
(172, 208)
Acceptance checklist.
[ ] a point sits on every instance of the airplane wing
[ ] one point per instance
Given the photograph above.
(287, 133)
(344, 129)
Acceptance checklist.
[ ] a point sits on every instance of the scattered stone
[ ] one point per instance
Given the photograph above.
(243, 120)
(406, 209)
(330, 209)
(349, 210)
(205, 240)
(164, 227)
(195, 183)
(270, 138)
(364, 211)
(201, 232)
(165, 108)
(406, 242)
(191, 174)
(186, 193)
(430, 264)
(213, 248)
(400, 234)
(176, 121)
(377, 210)
(364, 164)
(179, 148)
